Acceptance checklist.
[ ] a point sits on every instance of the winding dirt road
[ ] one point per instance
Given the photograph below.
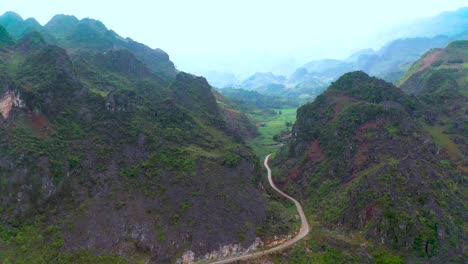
(302, 233)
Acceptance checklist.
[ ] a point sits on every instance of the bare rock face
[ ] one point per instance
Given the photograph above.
(223, 252)
(9, 100)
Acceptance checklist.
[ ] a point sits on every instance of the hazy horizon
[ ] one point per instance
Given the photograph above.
(243, 37)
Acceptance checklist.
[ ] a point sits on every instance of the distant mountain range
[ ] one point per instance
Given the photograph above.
(109, 154)
(450, 23)
(388, 63)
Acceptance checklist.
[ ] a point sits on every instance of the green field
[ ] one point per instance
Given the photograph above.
(443, 140)
(273, 124)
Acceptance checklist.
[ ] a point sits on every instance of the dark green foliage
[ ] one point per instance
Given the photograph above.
(248, 99)
(382, 257)
(160, 234)
(232, 160)
(31, 41)
(5, 38)
(279, 221)
(363, 162)
(113, 137)
(29, 244)
(443, 90)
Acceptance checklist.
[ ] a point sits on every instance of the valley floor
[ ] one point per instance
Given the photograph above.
(269, 124)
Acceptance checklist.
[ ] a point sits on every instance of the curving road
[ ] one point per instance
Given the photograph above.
(302, 233)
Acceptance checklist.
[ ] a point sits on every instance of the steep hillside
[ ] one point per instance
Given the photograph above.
(87, 35)
(235, 117)
(92, 35)
(110, 155)
(439, 79)
(372, 176)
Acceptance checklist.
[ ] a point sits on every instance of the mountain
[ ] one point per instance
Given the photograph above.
(18, 27)
(355, 56)
(389, 63)
(246, 99)
(448, 23)
(439, 80)
(89, 35)
(393, 59)
(327, 70)
(374, 179)
(15, 24)
(260, 81)
(301, 86)
(108, 154)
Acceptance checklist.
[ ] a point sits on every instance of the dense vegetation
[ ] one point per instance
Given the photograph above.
(108, 154)
(439, 80)
(249, 100)
(109, 150)
(370, 173)
(270, 118)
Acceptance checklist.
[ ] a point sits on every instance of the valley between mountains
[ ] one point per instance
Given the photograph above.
(111, 154)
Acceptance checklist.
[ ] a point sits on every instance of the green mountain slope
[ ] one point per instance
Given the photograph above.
(370, 174)
(439, 79)
(5, 38)
(103, 153)
(89, 35)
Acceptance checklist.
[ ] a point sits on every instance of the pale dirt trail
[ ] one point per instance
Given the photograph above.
(302, 233)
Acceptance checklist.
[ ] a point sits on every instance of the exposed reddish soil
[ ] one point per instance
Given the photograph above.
(315, 155)
(38, 119)
(370, 125)
(294, 173)
(39, 124)
(315, 152)
(231, 113)
(429, 59)
(368, 214)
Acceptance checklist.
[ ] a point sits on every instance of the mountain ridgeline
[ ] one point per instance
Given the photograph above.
(108, 154)
(390, 62)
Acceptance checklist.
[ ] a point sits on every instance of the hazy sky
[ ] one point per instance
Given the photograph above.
(243, 36)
